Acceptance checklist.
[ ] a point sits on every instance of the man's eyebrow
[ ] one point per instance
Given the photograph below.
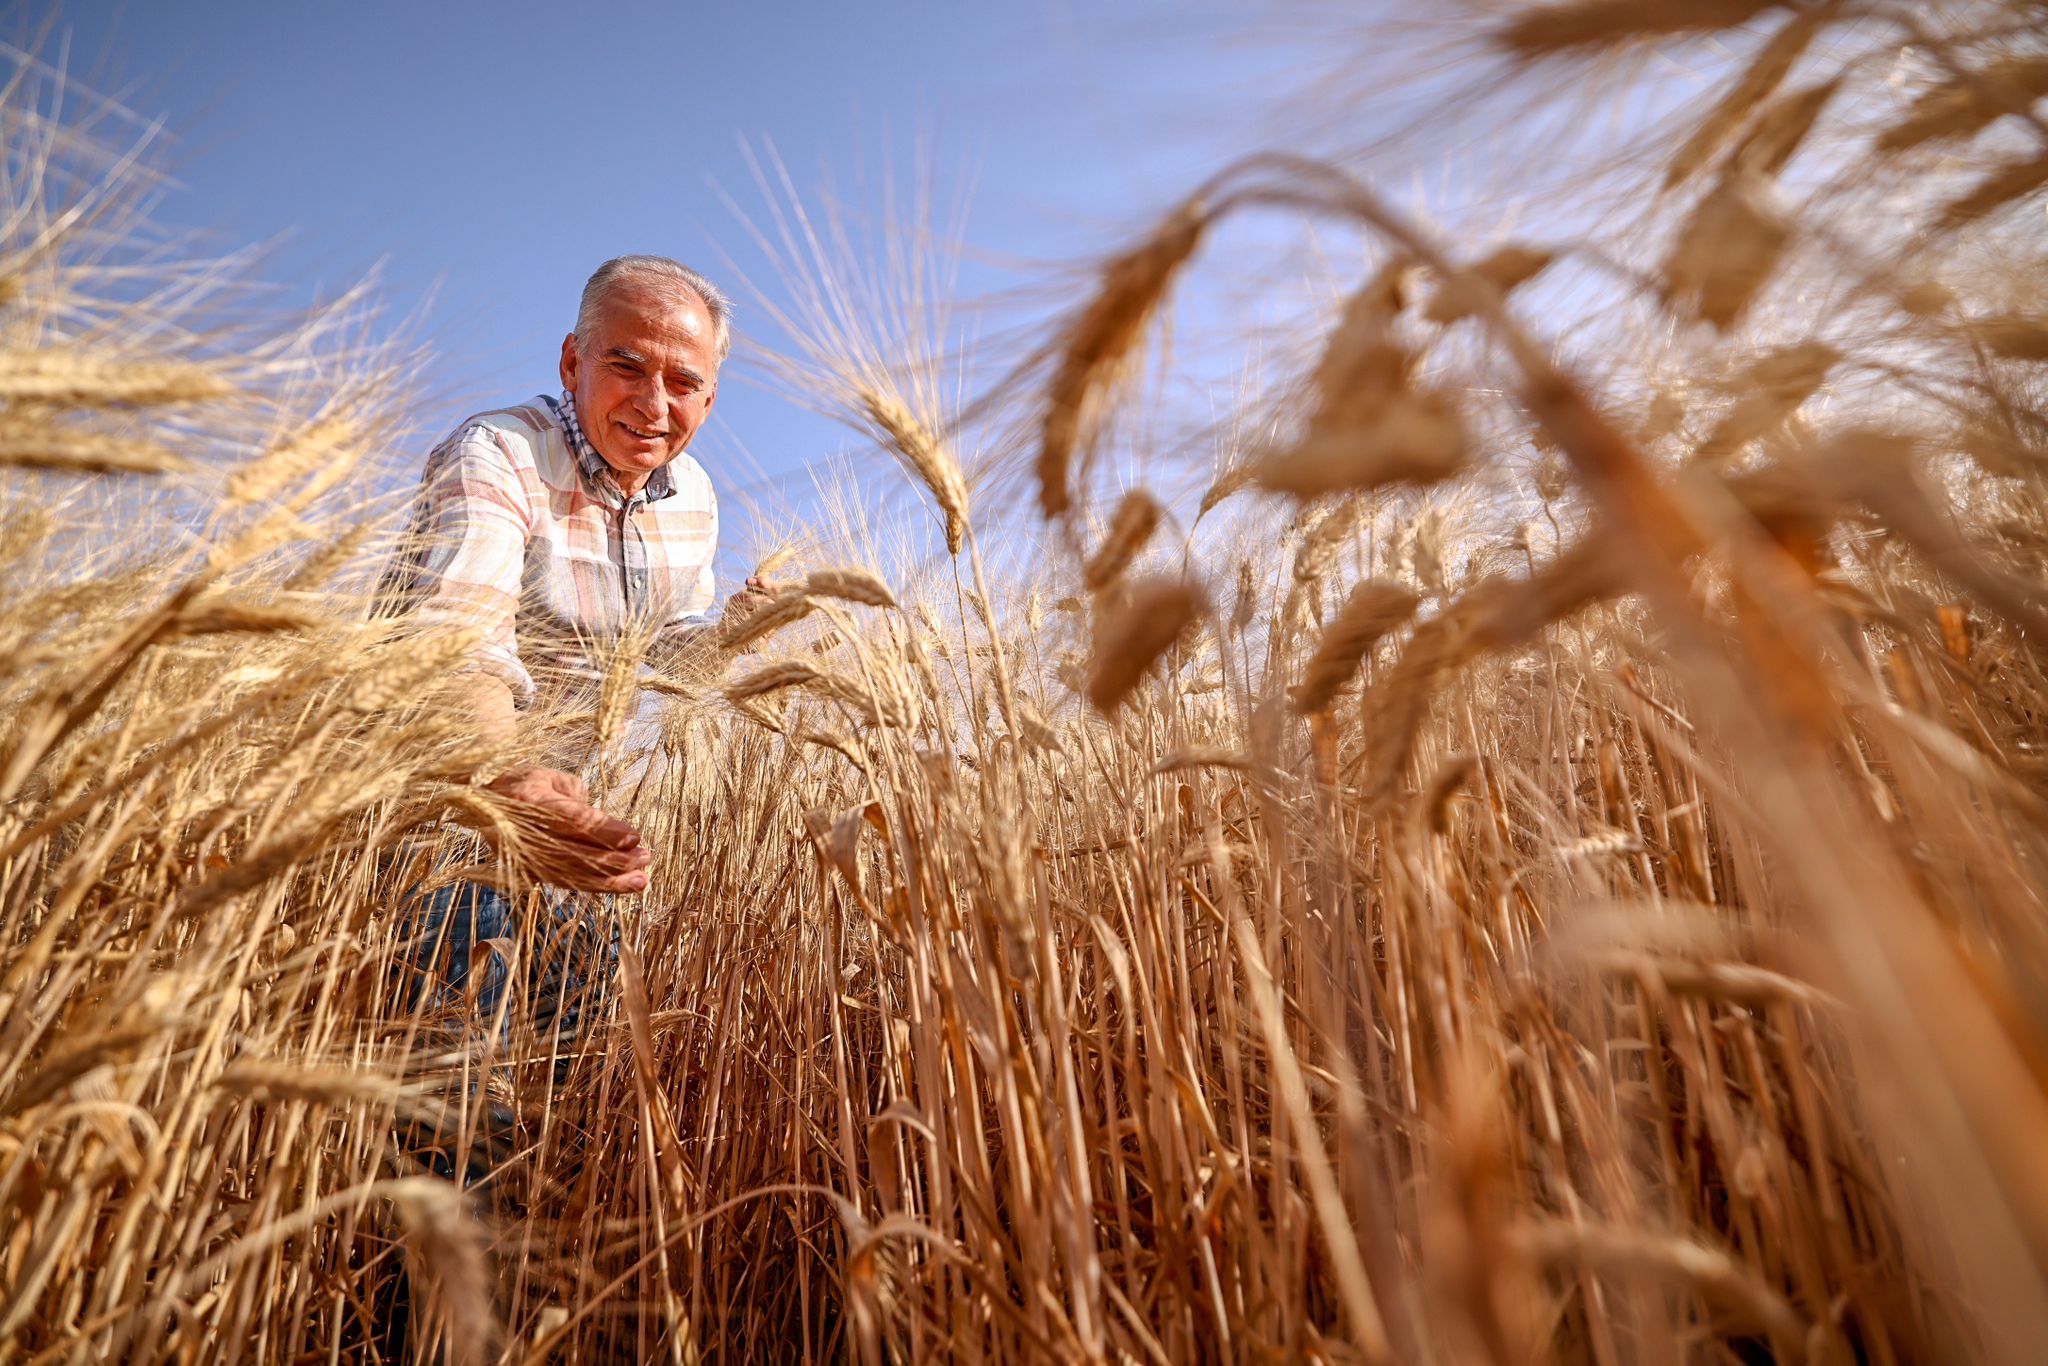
(622, 353)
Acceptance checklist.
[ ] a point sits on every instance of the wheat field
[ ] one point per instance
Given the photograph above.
(1534, 853)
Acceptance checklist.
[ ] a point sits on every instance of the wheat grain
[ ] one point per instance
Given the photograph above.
(788, 606)
(1714, 1272)
(46, 447)
(2012, 338)
(771, 678)
(617, 687)
(450, 1251)
(325, 444)
(1553, 30)
(929, 458)
(318, 568)
(1771, 388)
(1758, 81)
(2011, 182)
(213, 614)
(1966, 101)
(1371, 610)
(1780, 130)
(848, 585)
(1131, 638)
(1130, 526)
(1369, 424)
(1724, 254)
(1101, 338)
(1435, 802)
(82, 379)
(1500, 271)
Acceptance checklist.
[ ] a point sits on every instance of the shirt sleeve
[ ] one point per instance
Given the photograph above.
(470, 558)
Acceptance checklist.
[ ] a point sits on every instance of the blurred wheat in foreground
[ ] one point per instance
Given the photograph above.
(1546, 863)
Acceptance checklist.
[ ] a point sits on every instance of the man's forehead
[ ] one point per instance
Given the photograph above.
(651, 328)
(642, 308)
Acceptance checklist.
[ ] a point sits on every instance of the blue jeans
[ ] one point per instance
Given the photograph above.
(570, 956)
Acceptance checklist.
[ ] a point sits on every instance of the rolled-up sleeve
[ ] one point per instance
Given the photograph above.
(472, 524)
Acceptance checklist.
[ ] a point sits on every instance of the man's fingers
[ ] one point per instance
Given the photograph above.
(584, 832)
(577, 845)
(562, 800)
(596, 863)
(592, 826)
(621, 883)
(592, 870)
(572, 817)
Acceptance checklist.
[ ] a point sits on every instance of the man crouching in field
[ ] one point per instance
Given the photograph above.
(552, 526)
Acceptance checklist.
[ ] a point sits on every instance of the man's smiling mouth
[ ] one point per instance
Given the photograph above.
(644, 436)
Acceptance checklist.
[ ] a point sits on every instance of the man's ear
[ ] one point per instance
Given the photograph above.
(570, 358)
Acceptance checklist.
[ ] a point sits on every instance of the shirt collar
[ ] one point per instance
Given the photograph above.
(659, 485)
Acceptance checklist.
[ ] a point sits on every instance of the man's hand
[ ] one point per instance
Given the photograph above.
(749, 600)
(579, 847)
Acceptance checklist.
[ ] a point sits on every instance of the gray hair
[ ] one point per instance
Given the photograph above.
(659, 270)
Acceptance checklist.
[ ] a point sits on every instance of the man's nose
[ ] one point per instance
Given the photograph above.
(651, 397)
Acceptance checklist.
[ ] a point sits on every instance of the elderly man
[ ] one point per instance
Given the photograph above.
(552, 526)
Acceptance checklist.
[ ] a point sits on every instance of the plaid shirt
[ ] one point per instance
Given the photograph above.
(520, 529)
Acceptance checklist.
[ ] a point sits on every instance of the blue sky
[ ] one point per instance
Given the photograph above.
(483, 157)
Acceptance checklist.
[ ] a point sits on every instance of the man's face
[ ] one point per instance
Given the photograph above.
(644, 378)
